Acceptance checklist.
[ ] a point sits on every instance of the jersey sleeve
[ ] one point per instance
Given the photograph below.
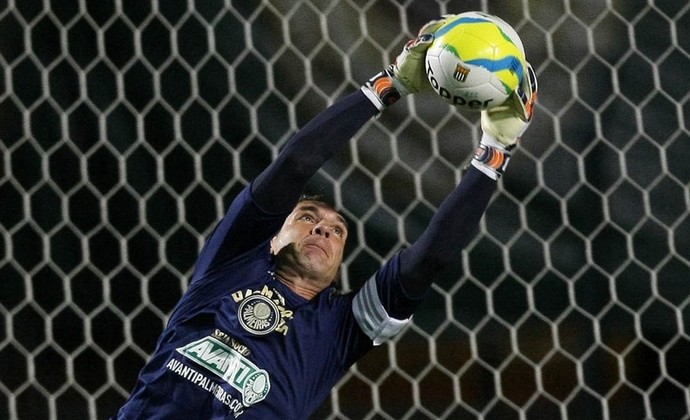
(258, 212)
(244, 226)
(387, 300)
(371, 308)
(382, 307)
(277, 189)
(440, 245)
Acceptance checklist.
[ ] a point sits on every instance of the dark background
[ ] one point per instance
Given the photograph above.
(128, 126)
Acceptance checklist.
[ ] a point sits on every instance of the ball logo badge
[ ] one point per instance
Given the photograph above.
(460, 73)
(476, 61)
(258, 314)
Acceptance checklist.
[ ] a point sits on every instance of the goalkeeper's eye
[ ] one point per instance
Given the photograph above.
(307, 218)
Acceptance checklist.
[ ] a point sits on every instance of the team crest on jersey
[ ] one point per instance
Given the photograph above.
(258, 315)
(262, 311)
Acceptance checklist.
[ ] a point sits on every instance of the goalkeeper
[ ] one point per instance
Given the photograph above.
(261, 332)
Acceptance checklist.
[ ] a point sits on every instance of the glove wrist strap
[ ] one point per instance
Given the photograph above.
(491, 157)
(381, 89)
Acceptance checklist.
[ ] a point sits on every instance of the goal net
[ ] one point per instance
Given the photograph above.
(128, 126)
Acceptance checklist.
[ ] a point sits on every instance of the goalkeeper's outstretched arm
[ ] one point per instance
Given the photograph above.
(457, 219)
(280, 185)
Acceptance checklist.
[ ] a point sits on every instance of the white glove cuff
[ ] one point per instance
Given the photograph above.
(373, 97)
(491, 157)
(382, 90)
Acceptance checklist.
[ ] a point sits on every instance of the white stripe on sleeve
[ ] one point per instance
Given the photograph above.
(372, 317)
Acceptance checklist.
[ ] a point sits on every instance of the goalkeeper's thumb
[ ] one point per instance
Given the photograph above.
(409, 75)
(507, 122)
(408, 68)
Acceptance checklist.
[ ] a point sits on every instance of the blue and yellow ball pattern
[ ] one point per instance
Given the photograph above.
(475, 61)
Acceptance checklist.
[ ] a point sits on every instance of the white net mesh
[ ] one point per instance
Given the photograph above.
(128, 126)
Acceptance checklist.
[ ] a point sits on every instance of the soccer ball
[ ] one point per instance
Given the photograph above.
(475, 61)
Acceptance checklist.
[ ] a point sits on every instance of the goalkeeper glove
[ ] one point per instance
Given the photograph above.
(406, 75)
(503, 125)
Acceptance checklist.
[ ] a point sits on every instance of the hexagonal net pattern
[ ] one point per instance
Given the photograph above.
(128, 126)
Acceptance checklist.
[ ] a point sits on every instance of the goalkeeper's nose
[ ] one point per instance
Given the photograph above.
(320, 230)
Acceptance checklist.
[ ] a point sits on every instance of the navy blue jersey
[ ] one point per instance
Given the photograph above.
(241, 344)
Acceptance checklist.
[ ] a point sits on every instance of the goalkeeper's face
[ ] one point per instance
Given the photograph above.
(312, 241)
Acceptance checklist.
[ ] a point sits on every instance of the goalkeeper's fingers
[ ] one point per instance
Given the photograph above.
(526, 93)
(408, 67)
(418, 46)
(507, 122)
(431, 26)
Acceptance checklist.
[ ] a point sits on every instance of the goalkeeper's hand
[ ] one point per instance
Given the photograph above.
(503, 125)
(506, 123)
(407, 74)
